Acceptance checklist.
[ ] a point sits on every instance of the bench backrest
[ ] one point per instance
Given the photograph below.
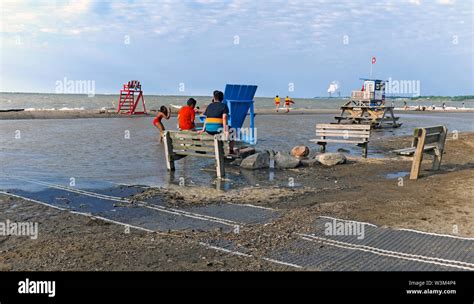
(361, 132)
(192, 143)
(179, 144)
(431, 135)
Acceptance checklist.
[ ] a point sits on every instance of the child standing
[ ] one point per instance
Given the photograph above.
(164, 112)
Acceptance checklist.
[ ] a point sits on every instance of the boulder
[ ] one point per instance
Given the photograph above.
(244, 152)
(286, 161)
(331, 159)
(311, 162)
(236, 162)
(258, 160)
(300, 151)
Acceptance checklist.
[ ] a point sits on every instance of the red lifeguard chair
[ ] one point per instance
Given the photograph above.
(130, 97)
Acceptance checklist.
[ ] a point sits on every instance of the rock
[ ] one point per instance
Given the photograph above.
(256, 161)
(244, 152)
(331, 159)
(300, 151)
(286, 161)
(309, 162)
(236, 162)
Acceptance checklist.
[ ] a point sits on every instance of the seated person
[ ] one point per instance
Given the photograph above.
(186, 115)
(216, 115)
(216, 118)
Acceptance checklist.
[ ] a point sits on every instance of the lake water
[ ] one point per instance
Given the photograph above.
(70, 101)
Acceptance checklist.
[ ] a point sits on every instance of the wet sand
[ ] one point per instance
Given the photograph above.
(364, 190)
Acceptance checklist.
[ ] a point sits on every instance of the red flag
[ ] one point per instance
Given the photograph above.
(374, 60)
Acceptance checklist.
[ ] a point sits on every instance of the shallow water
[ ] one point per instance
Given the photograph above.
(98, 149)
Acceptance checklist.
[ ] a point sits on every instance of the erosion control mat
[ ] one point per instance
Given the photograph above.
(341, 245)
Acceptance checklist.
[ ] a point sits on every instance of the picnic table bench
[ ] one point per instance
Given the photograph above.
(340, 133)
(429, 140)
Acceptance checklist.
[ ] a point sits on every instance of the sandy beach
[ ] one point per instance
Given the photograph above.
(362, 190)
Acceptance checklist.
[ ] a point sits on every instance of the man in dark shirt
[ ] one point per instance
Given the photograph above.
(216, 116)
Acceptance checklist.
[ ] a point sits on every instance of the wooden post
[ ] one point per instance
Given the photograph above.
(364, 150)
(439, 150)
(219, 151)
(418, 157)
(169, 151)
(323, 147)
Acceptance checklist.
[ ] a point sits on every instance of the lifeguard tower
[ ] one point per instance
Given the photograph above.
(367, 106)
(131, 95)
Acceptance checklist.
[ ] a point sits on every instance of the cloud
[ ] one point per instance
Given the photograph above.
(446, 2)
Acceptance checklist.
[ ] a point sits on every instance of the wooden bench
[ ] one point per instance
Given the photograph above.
(179, 144)
(340, 133)
(428, 140)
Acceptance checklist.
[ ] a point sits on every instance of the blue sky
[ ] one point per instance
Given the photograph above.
(205, 44)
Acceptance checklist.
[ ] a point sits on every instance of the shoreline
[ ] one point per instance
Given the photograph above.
(75, 114)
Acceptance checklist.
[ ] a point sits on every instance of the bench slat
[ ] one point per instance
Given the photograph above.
(188, 153)
(339, 141)
(204, 143)
(342, 132)
(193, 148)
(191, 135)
(432, 138)
(345, 136)
(343, 127)
(410, 151)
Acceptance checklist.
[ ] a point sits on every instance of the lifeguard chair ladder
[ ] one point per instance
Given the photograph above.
(130, 97)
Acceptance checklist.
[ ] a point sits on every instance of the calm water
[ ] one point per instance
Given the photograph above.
(61, 101)
(98, 149)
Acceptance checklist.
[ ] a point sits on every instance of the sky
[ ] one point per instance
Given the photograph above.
(293, 47)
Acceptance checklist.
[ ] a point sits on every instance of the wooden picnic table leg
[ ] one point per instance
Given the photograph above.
(418, 157)
(169, 152)
(219, 151)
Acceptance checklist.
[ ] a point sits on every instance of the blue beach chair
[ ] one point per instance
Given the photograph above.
(239, 99)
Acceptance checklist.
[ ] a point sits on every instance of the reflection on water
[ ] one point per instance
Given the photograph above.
(101, 149)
